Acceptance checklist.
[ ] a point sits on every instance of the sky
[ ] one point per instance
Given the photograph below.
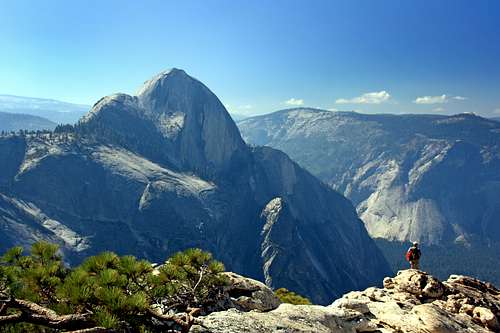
(393, 56)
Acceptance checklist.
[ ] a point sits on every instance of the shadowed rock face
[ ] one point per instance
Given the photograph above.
(411, 302)
(435, 179)
(166, 170)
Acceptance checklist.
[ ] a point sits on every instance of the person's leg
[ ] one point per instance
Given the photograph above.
(417, 264)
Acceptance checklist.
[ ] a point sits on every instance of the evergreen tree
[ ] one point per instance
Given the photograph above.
(37, 293)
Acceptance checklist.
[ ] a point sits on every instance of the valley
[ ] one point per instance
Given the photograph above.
(427, 178)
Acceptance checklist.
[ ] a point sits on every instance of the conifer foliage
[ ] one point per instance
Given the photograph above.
(106, 293)
(287, 296)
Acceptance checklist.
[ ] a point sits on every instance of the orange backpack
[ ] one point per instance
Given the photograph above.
(412, 254)
(409, 254)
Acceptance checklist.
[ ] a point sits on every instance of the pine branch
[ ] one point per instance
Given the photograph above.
(202, 270)
(11, 319)
(175, 318)
(3, 307)
(92, 330)
(35, 314)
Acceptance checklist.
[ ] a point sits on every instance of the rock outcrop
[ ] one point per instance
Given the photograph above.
(248, 294)
(166, 170)
(240, 293)
(411, 302)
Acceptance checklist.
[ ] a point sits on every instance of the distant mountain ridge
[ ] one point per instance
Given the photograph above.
(431, 178)
(55, 111)
(238, 117)
(15, 122)
(166, 170)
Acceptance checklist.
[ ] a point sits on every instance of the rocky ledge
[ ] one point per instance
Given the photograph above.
(412, 301)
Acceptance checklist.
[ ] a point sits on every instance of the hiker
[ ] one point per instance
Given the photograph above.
(413, 256)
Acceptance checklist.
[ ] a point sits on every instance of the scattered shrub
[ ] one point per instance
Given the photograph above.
(287, 296)
(39, 294)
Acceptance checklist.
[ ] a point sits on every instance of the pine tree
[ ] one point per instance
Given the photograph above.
(105, 292)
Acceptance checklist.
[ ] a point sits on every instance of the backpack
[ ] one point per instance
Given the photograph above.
(412, 254)
(409, 254)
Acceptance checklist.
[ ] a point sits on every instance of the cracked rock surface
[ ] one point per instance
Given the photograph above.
(411, 302)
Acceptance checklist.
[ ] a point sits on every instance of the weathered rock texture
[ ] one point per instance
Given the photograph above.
(240, 293)
(411, 302)
(248, 294)
(166, 170)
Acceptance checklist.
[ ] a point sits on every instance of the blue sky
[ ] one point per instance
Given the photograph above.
(260, 56)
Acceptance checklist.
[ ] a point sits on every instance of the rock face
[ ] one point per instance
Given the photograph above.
(429, 178)
(411, 302)
(246, 294)
(166, 170)
(174, 120)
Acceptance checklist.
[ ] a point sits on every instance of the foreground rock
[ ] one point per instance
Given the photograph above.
(248, 294)
(240, 293)
(411, 302)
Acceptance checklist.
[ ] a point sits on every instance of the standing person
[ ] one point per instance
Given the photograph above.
(413, 256)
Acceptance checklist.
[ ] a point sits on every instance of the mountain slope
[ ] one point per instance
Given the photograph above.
(427, 178)
(56, 111)
(237, 117)
(166, 170)
(430, 178)
(15, 122)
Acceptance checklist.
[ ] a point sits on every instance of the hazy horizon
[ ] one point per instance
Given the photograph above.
(419, 57)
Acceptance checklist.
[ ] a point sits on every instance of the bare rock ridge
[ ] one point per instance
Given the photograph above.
(167, 170)
(411, 302)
